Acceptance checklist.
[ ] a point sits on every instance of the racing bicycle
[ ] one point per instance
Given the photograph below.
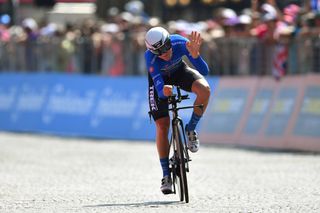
(179, 156)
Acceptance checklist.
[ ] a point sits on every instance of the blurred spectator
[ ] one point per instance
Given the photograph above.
(273, 50)
(86, 45)
(69, 47)
(261, 40)
(112, 60)
(4, 31)
(30, 28)
(4, 40)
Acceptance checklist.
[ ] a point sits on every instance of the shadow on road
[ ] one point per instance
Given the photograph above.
(150, 204)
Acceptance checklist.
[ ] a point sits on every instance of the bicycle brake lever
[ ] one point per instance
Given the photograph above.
(184, 97)
(171, 98)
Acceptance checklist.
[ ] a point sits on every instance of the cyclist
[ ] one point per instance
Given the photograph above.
(166, 68)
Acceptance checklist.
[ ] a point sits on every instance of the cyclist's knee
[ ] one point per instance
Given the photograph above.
(201, 88)
(206, 91)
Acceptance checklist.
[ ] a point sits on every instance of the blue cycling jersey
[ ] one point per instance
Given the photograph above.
(158, 67)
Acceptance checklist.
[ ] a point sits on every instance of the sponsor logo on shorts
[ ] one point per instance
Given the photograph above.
(152, 101)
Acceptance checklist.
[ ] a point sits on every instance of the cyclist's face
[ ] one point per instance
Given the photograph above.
(167, 55)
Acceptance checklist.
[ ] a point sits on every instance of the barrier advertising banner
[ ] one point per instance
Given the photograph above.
(225, 113)
(75, 105)
(308, 123)
(250, 111)
(259, 109)
(287, 96)
(79, 105)
(273, 114)
(305, 128)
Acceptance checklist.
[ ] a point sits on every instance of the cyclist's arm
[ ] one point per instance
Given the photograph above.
(159, 84)
(199, 64)
(155, 74)
(198, 61)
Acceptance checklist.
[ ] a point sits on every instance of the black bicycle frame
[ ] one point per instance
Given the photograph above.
(180, 148)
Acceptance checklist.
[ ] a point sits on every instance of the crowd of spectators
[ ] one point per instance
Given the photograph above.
(261, 40)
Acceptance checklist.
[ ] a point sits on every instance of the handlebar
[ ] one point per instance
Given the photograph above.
(177, 98)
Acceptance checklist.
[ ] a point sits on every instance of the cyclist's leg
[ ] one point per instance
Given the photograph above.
(202, 90)
(162, 142)
(161, 117)
(162, 131)
(192, 81)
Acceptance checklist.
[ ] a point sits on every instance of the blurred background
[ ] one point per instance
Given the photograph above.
(242, 37)
(273, 43)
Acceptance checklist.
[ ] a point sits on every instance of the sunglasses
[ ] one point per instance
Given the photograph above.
(163, 49)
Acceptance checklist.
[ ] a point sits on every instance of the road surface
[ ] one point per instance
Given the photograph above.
(51, 174)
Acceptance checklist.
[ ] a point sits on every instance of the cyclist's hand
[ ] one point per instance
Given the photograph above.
(167, 90)
(193, 46)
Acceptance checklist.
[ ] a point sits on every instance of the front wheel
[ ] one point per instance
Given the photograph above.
(181, 155)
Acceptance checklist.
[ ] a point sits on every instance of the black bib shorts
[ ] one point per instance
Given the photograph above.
(183, 77)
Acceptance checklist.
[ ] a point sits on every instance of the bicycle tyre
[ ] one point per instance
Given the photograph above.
(176, 174)
(174, 167)
(182, 164)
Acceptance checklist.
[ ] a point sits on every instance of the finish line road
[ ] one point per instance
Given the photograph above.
(52, 174)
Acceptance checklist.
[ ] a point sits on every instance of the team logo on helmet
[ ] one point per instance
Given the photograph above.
(157, 45)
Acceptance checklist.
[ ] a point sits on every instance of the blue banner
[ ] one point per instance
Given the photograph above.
(77, 105)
